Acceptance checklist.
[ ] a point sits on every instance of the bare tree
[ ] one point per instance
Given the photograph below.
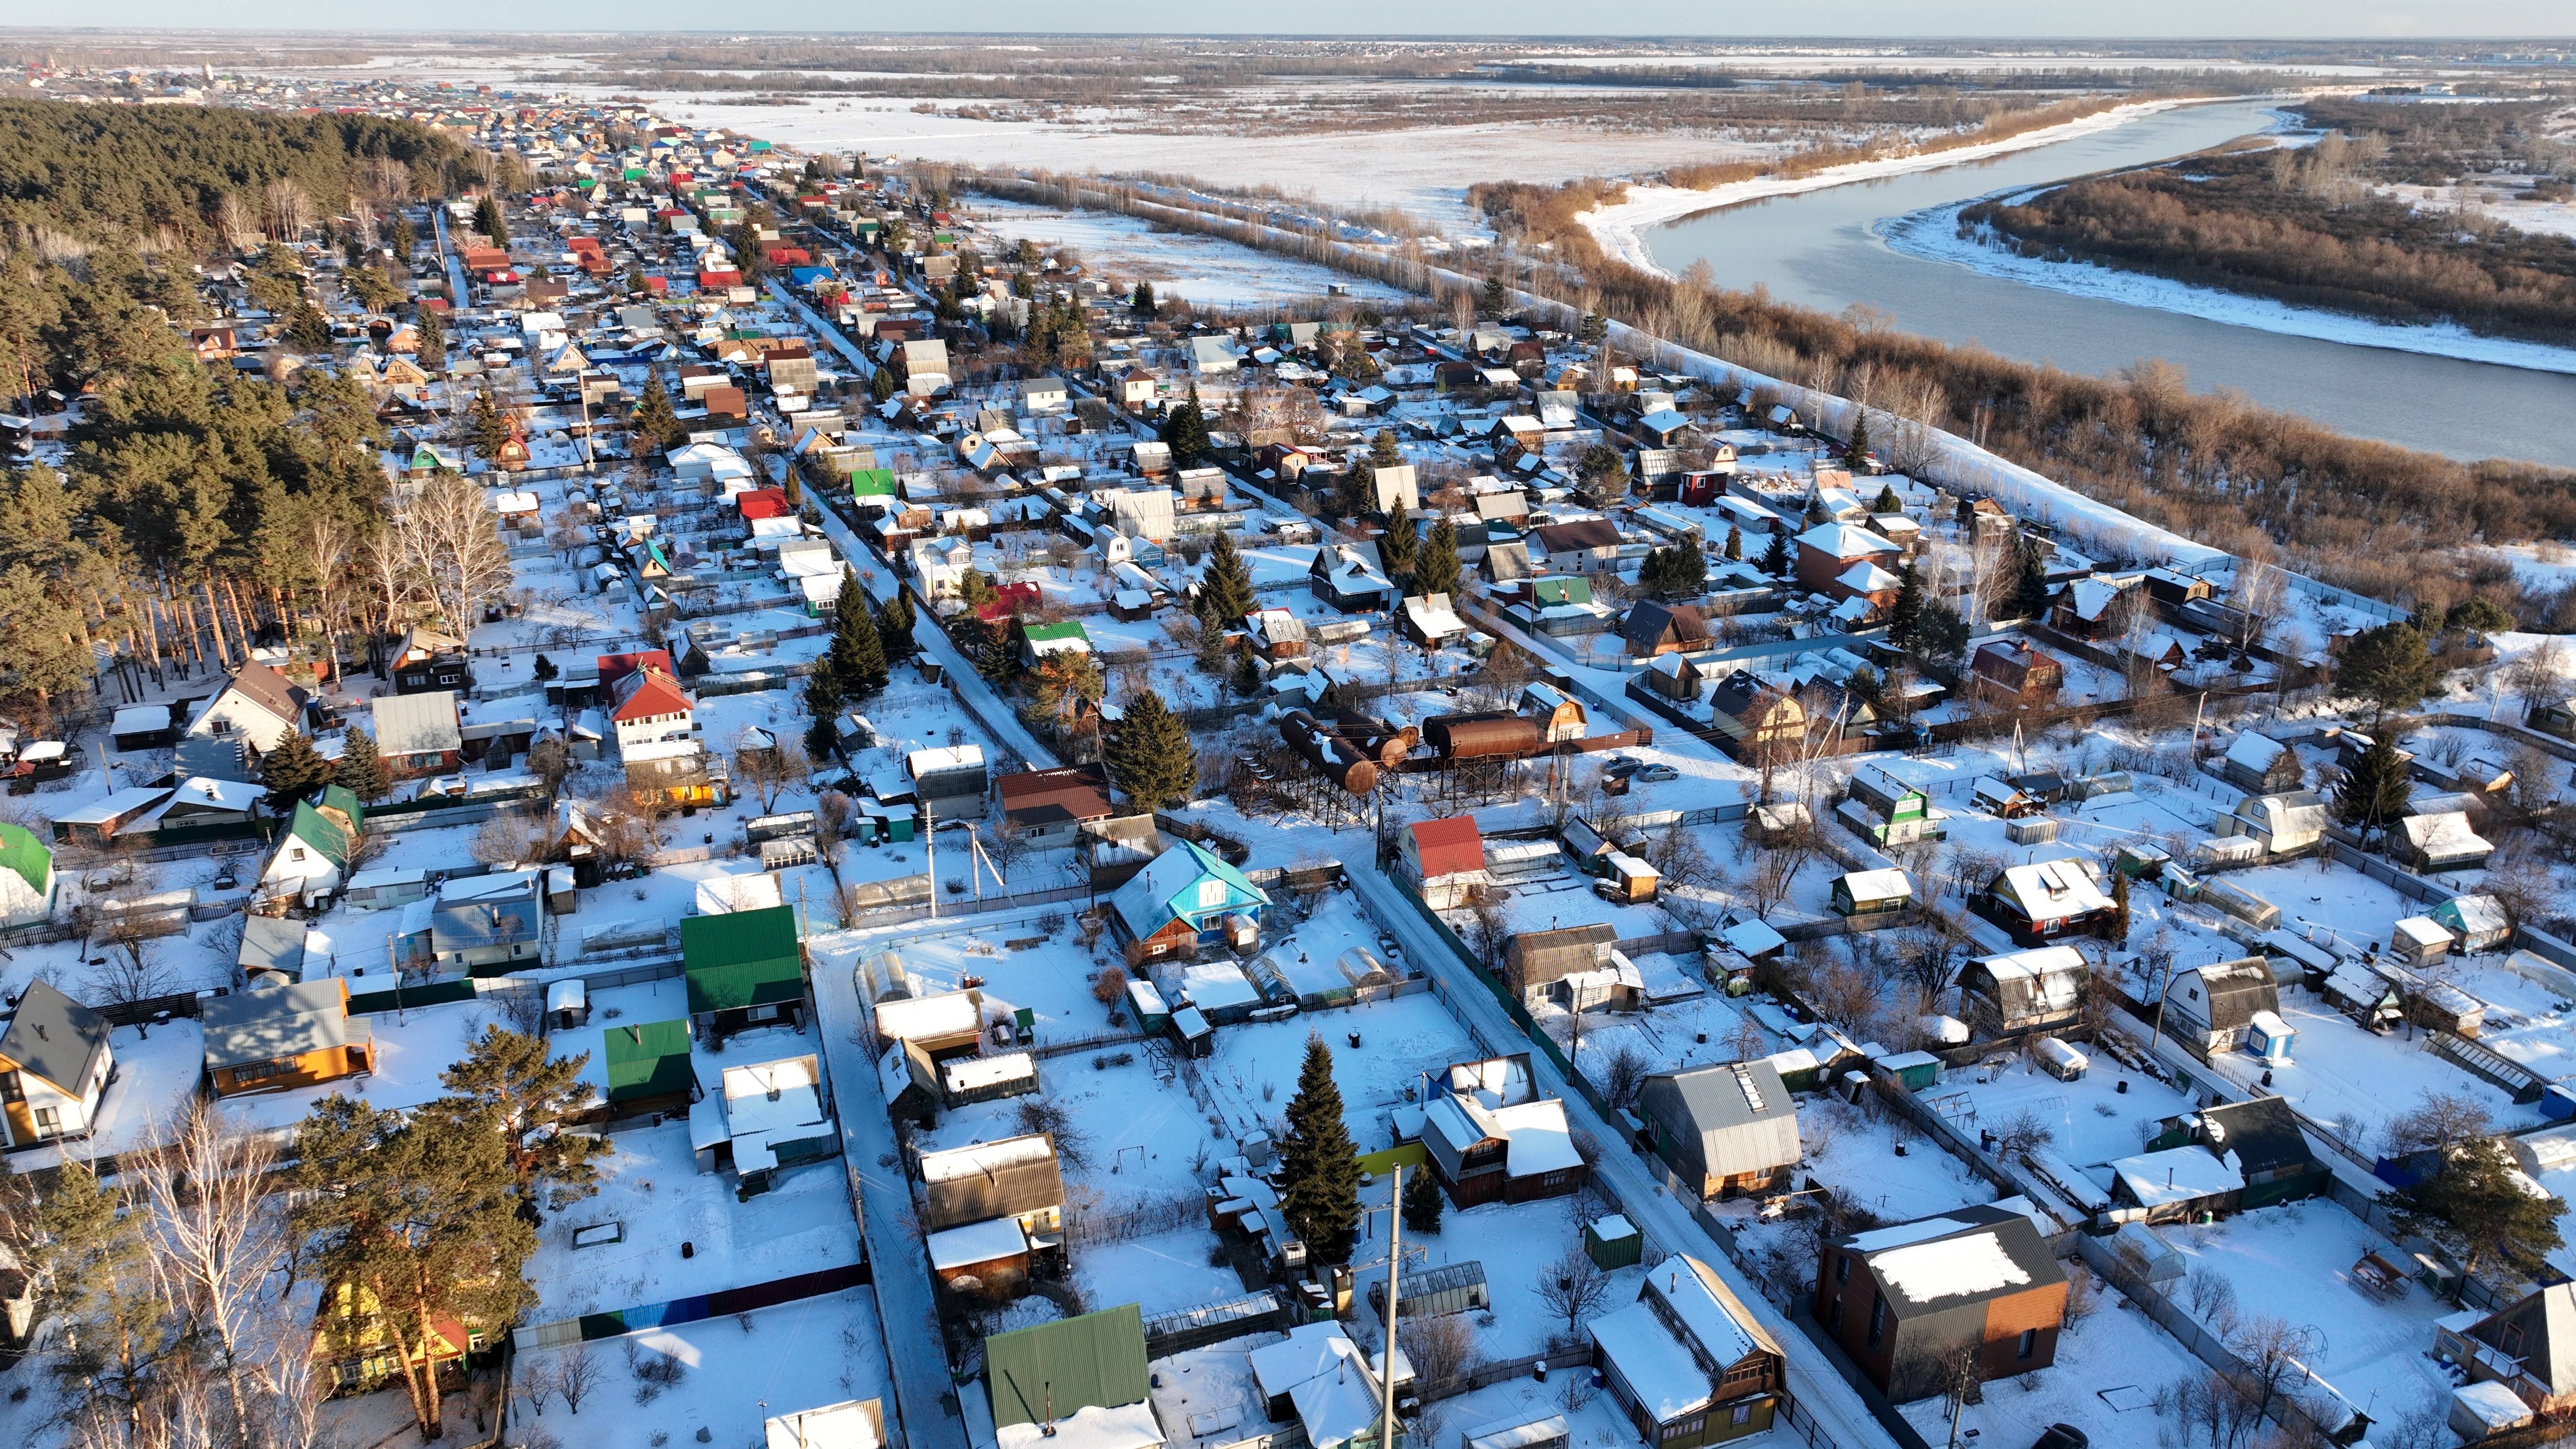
(449, 543)
(578, 1371)
(2274, 1352)
(215, 1235)
(1573, 1288)
(2438, 1120)
(1441, 1347)
(2536, 675)
(769, 769)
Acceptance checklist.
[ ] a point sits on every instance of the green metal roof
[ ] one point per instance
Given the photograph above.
(647, 1059)
(1055, 1369)
(1561, 591)
(872, 483)
(1049, 633)
(322, 833)
(22, 852)
(741, 958)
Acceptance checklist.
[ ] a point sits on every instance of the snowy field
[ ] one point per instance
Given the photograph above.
(2091, 1119)
(1208, 271)
(1253, 1071)
(2104, 1382)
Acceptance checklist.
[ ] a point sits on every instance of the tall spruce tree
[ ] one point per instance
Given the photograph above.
(2374, 792)
(2391, 666)
(1436, 572)
(430, 330)
(1887, 501)
(2030, 577)
(1775, 555)
(1149, 755)
(857, 655)
(2477, 1205)
(1734, 544)
(1185, 432)
(361, 770)
(1905, 615)
(292, 769)
(823, 706)
(1859, 443)
(485, 426)
(655, 421)
(1423, 1202)
(894, 628)
(1319, 1162)
(1228, 581)
(1383, 451)
(1141, 301)
(489, 220)
(1399, 546)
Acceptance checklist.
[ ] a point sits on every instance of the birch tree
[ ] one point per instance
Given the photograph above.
(449, 544)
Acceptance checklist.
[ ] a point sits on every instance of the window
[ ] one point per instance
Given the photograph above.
(1842, 1267)
(10, 1088)
(48, 1121)
(1834, 1319)
(260, 1071)
(1877, 1318)
(1743, 1414)
(761, 1013)
(2029, 1343)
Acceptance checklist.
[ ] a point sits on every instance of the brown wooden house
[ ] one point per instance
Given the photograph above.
(1902, 1299)
(290, 1034)
(2011, 671)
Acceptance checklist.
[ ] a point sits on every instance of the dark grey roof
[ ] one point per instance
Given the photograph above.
(1735, 694)
(2263, 1133)
(267, 1023)
(465, 925)
(54, 1038)
(1714, 1101)
(2547, 1347)
(1649, 620)
(2010, 1230)
(272, 943)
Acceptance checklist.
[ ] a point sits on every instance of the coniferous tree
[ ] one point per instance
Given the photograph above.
(1142, 299)
(1905, 615)
(1383, 451)
(1423, 1202)
(1859, 443)
(514, 1086)
(2374, 792)
(1944, 633)
(1734, 544)
(430, 331)
(1775, 555)
(1149, 755)
(881, 385)
(1227, 584)
(1436, 572)
(997, 652)
(485, 426)
(2391, 666)
(489, 220)
(1247, 674)
(1319, 1163)
(2030, 580)
(2115, 930)
(361, 770)
(823, 706)
(292, 770)
(858, 660)
(655, 421)
(83, 1244)
(1185, 432)
(408, 1220)
(308, 329)
(1399, 546)
(894, 628)
(1887, 501)
(2478, 1205)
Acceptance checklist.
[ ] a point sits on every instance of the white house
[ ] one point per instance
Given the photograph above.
(54, 1064)
(257, 706)
(654, 718)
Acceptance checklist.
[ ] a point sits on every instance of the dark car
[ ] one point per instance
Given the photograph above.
(2062, 1436)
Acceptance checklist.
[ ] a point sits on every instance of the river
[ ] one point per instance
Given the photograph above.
(1820, 249)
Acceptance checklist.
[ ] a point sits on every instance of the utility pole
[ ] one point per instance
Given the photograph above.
(1394, 1265)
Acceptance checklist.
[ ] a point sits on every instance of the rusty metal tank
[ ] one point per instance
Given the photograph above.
(1481, 736)
(1335, 758)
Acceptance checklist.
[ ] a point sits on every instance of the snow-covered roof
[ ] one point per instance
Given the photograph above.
(1213, 985)
(2177, 1174)
(975, 1243)
(2254, 751)
(1653, 1361)
(944, 1015)
(1950, 1268)
(983, 1158)
(1129, 1426)
(1753, 938)
(967, 1074)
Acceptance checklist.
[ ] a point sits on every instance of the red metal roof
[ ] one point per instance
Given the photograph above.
(1449, 847)
(654, 693)
(763, 503)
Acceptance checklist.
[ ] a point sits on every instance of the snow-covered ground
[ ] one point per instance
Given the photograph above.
(2104, 1382)
(1934, 234)
(1210, 271)
(1621, 227)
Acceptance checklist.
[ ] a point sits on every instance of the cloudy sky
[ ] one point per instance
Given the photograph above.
(1853, 18)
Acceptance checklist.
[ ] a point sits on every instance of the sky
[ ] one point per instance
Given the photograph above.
(1848, 18)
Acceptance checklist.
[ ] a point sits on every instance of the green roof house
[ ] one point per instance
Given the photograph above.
(744, 968)
(1045, 639)
(1087, 1371)
(312, 858)
(868, 484)
(26, 876)
(647, 1061)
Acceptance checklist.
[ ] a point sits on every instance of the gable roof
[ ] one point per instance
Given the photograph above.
(1967, 1255)
(1056, 1369)
(741, 958)
(647, 692)
(52, 1037)
(2547, 1318)
(1846, 541)
(268, 689)
(285, 1019)
(1052, 797)
(323, 833)
(2262, 1133)
(1448, 847)
(646, 1059)
(1153, 899)
(1649, 621)
(417, 724)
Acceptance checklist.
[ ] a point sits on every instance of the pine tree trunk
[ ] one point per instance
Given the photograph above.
(214, 621)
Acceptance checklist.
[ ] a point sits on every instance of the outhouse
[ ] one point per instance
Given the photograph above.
(1190, 1028)
(1914, 1071)
(2267, 1036)
(2419, 941)
(1614, 1242)
(2059, 1060)
(567, 1005)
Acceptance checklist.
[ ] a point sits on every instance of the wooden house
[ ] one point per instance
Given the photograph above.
(2211, 1009)
(1844, 561)
(2023, 991)
(1048, 808)
(2528, 1346)
(1538, 964)
(1559, 715)
(1721, 1130)
(1444, 860)
(54, 1065)
(2222, 1158)
(744, 969)
(1904, 1300)
(418, 733)
(1872, 892)
(2045, 900)
(1182, 901)
(2261, 765)
(1654, 628)
(1687, 1363)
(2013, 672)
(1752, 718)
(1487, 1146)
(279, 1034)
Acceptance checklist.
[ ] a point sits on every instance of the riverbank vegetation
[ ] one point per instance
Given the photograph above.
(2306, 228)
(2383, 520)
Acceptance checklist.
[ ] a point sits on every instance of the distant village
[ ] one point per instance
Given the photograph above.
(1749, 941)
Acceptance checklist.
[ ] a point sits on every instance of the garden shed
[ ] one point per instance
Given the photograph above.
(2476, 923)
(1614, 1242)
(2023, 991)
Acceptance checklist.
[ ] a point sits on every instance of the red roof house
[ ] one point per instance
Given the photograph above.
(1009, 599)
(1445, 858)
(763, 503)
(614, 667)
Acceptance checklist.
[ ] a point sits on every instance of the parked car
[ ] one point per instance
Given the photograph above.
(1657, 774)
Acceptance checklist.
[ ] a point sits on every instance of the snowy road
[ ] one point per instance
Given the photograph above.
(925, 1391)
(1817, 1386)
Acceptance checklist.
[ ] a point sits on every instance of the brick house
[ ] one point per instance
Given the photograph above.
(1902, 1299)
